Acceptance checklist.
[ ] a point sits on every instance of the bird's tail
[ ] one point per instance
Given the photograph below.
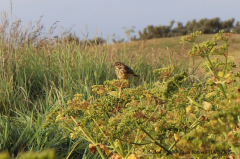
(135, 75)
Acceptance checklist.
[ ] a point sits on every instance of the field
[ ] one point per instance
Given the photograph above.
(62, 99)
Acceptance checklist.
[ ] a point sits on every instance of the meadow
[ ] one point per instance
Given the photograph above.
(60, 99)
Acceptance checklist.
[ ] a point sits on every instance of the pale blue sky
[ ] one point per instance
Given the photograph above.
(110, 16)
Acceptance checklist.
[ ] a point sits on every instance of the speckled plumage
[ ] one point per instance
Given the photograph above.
(123, 71)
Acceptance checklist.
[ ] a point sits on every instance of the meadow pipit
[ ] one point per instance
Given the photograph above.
(123, 71)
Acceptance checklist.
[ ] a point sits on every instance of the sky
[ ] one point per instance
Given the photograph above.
(103, 18)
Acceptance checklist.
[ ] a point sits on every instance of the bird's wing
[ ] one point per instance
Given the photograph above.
(128, 70)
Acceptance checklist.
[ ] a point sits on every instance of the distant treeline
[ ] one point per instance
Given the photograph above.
(72, 37)
(207, 26)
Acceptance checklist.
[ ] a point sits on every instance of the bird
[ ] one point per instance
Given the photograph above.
(123, 71)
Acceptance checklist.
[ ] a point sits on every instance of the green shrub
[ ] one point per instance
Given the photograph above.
(176, 116)
(206, 26)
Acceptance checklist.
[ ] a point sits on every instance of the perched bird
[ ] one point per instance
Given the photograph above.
(123, 71)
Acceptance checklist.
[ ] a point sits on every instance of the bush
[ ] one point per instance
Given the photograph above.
(177, 116)
(206, 26)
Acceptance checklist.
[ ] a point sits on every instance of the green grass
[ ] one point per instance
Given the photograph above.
(38, 77)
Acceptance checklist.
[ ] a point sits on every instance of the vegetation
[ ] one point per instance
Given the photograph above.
(206, 26)
(61, 99)
(39, 73)
(177, 115)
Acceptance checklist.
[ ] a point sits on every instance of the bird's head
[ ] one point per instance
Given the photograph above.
(118, 64)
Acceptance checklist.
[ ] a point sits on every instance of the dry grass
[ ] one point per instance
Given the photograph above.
(156, 51)
(156, 46)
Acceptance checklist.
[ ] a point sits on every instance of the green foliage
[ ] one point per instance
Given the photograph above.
(206, 26)
(164, 111)
(176, 116)
(38, 74)
(46, 154)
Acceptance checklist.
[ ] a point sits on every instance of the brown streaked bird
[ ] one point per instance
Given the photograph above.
(123, 71)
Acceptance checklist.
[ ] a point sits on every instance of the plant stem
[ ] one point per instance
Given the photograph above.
(216, 75)
(121, 148)
(169, 152)
(226, 59)
(194, 102)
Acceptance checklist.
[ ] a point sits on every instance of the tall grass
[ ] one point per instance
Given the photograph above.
(39, 73)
